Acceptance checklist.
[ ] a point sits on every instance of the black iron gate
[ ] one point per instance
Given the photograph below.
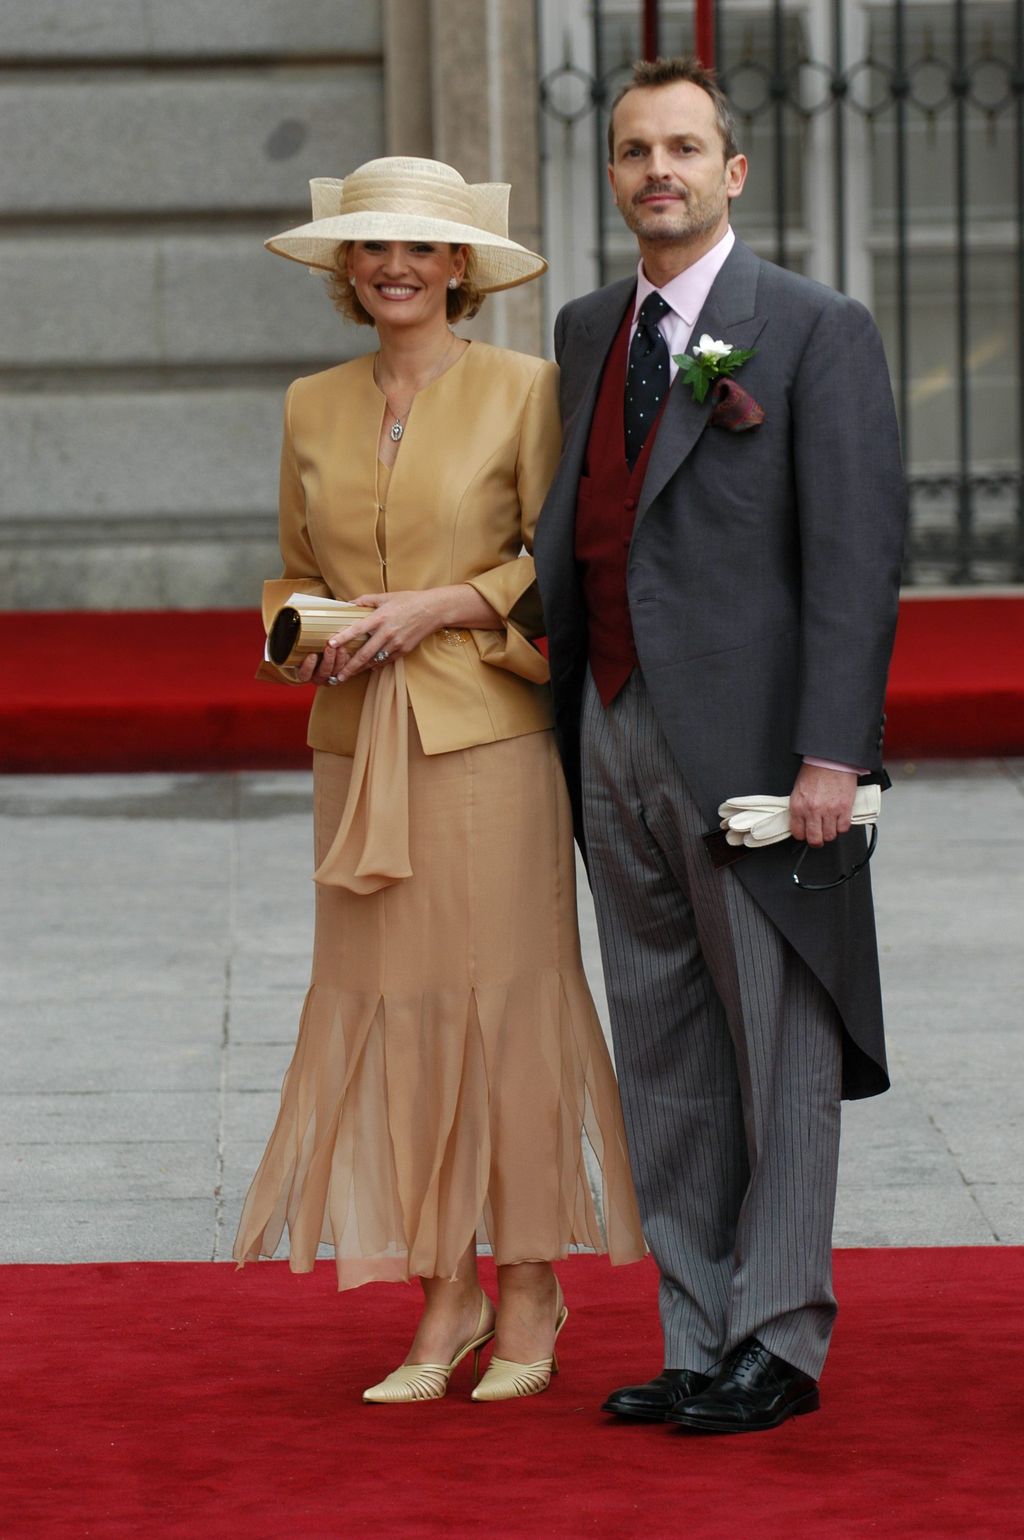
(911, 115)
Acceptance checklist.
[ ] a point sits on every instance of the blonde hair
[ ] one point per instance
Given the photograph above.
(461, 303)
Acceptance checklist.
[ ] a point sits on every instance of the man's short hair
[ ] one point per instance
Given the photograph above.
(648, 73)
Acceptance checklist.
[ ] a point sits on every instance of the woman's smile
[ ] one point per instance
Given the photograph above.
(404, 275)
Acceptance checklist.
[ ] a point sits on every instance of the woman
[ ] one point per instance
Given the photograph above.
(449, 1060)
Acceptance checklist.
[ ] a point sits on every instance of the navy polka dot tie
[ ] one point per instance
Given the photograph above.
(647, 377)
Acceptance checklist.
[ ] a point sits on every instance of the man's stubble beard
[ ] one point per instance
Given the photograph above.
(696, 218)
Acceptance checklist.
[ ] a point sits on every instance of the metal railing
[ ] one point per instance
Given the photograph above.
(930, 86)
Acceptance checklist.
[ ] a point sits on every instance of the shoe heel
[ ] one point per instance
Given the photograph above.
(808, 1403)
(563, 1316)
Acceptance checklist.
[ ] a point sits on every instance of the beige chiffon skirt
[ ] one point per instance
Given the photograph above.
(450, 1068)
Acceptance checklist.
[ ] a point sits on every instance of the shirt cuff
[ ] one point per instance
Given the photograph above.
(831, 764)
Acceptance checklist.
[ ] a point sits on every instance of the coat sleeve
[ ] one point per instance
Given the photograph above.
(559, 334)
(851, 505)
(301, 570)
(511, 588)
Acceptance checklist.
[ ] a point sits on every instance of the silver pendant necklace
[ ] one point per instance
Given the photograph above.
(397, 428)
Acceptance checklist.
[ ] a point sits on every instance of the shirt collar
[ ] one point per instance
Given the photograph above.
(688, 290)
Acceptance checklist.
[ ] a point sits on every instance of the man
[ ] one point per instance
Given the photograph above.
(720, 584)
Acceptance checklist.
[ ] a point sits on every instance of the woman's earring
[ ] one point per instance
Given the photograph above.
(453, 283)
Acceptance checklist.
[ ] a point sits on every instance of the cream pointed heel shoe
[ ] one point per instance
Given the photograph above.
(504, 1380)
(429, 1382)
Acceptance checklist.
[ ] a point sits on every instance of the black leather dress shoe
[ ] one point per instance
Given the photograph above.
(752, 1390)
(651, 1402)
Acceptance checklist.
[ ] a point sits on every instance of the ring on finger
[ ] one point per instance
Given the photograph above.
(381, 656)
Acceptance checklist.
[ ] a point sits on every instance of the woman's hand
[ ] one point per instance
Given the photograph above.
(399, 623)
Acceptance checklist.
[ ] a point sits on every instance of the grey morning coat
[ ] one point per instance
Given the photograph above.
(763, 582)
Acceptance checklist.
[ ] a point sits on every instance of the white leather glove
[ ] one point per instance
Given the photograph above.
(758, 821)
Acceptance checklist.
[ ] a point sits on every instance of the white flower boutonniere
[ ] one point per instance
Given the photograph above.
(711, 359)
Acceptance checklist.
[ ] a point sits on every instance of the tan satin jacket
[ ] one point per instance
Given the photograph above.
(480, 449)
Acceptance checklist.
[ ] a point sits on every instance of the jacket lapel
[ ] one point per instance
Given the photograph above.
(592, 338)
(596, 336)
(730, 312)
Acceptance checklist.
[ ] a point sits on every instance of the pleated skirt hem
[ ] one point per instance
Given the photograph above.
(450, 1082)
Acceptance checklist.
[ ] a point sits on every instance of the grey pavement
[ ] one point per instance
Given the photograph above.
(155, 934)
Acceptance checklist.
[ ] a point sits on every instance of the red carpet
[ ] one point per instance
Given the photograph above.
(150, 690)
(957, 682)
(174, 689)
(190, 1400)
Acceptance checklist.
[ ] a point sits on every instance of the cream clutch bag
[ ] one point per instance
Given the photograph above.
(306, 624)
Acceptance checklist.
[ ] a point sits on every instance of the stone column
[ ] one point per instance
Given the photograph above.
(461, 86)
(408, 89)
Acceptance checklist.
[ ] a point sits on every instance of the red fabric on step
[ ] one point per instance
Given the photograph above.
(956, 686)
(174, 689)
(144, 690)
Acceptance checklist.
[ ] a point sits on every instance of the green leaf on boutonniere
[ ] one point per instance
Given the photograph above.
(710, 360)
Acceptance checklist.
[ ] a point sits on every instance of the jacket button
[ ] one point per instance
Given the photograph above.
(630, 504)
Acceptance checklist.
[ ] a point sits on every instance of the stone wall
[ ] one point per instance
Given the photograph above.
(145, 336)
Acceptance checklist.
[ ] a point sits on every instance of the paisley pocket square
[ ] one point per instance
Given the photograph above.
(734, 408)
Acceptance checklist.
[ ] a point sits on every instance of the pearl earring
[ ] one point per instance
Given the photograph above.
(453, 283)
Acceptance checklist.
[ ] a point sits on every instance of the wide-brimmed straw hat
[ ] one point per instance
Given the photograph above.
(400, 198)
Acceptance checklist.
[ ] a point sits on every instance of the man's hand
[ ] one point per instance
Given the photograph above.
(820, 803)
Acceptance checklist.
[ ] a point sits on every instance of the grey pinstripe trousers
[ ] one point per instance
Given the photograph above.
(729, 1059)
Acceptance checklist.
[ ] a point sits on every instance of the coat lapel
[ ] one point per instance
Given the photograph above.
(591, 349)
(555, 538)
(592, 338)
(730, 311)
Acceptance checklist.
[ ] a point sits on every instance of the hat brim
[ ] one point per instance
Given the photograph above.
(500, 263)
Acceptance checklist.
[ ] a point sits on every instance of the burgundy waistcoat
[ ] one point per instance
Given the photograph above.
(605, 512)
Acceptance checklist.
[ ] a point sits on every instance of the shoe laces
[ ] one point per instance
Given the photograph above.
(751, 1355)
